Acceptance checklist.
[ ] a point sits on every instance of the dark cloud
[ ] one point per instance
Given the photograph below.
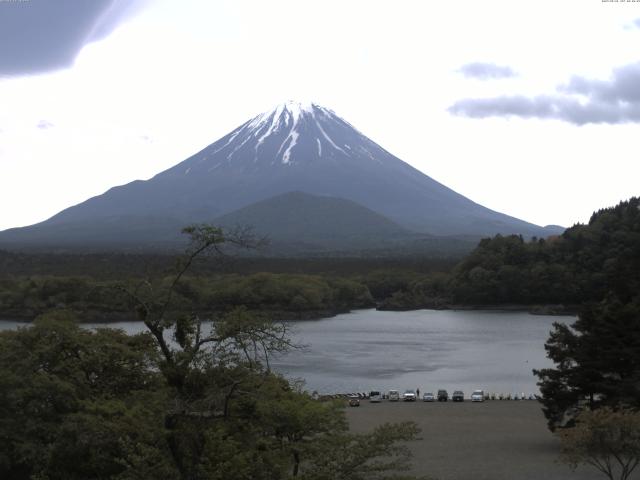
(43, 35)
(44, 124)
(580, 101)
(486, 71)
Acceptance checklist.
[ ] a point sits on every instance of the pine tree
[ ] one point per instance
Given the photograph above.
(597, 361)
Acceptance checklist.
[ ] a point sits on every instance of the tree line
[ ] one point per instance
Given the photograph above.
(583, 264)
(284, 295)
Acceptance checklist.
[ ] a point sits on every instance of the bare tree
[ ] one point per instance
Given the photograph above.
(606, 439)
(180, 335)
(205, 362)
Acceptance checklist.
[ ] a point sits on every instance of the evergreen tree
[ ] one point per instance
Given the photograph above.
(597, 361)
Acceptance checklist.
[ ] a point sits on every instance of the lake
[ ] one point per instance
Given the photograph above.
(428, 349)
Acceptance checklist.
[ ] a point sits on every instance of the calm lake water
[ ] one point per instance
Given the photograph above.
(369, 350)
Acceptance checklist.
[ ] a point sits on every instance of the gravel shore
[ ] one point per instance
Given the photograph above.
(493, 440)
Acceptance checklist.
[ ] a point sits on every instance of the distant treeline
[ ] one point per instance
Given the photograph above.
(281, 295)
(89, 284)
(116, 266)
(581, 265)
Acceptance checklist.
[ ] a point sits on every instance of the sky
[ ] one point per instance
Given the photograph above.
(528, 108)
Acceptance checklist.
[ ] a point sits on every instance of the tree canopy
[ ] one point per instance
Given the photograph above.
(597, 359)
(606, 439)
(180, 401)
(582, 265)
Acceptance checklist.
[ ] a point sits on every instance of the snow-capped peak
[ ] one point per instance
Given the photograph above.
(289, 110)
(292, 133)
(286, 117)
(297, 109)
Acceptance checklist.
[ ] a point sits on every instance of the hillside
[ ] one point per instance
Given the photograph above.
(300, 221)
(294, 147)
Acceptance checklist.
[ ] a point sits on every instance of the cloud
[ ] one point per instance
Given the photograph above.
(37, 36)
(44, 124)
(580, 101)
(486, 71)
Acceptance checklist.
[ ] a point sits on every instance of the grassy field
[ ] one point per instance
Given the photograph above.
(494, 440)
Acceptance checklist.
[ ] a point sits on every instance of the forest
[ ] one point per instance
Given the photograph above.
(287, 288)
(552, 275)
(582, 264)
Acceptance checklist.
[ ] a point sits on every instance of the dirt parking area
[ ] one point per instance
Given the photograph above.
(492, 440)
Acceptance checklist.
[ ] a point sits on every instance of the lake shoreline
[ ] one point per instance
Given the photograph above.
(294, 316)
(366, 350)
(535, 309)
(107, 318)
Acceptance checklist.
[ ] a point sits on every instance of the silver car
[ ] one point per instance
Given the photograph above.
(477, 396)
(409, 396)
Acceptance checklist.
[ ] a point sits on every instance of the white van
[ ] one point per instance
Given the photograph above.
(394, 395)
(375, 396)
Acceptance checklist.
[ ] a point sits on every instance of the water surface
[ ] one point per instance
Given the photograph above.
(427, 349)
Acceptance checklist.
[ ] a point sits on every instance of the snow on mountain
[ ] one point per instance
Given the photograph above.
(289, 117)
(294, 147)
(292, 132)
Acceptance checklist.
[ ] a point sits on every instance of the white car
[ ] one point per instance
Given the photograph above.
(375, 396)
(428, 397)
(409, 396)
(394, 395)
(477, 396)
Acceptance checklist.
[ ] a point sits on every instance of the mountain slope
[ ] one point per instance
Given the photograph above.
(305, 221)
(294, 147)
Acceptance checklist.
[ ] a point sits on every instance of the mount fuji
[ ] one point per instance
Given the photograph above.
(302, 148)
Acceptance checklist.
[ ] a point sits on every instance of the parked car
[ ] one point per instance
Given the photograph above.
(409, 396)
(458, 396)
(443, 396)
(375, 396)
(477, 396)
(394, 395)
(354, 402)
(428, 397)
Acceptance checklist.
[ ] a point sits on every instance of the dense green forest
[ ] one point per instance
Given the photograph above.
(582, 264)
(597, 361)
(31, 284)
(563, 271)
(116, 266)
(283, 295)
